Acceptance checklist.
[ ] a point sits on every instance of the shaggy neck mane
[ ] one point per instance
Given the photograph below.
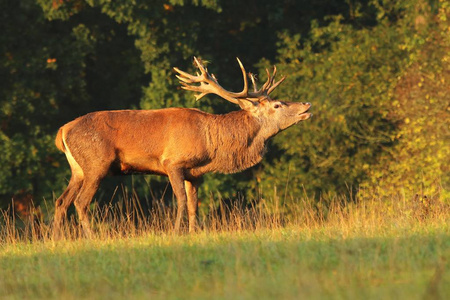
(236, 142)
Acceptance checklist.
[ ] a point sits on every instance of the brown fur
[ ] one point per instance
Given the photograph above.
(234, 141)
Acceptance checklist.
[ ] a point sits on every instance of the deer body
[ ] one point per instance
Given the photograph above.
(180, 143)
(198, 141)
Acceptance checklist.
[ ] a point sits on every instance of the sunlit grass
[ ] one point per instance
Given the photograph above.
(374, 249)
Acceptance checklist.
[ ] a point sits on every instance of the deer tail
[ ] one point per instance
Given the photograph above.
(59, 140)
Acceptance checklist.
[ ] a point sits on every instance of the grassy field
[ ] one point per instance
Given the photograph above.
(367, 250)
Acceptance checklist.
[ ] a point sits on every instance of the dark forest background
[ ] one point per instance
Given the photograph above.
(377, 73)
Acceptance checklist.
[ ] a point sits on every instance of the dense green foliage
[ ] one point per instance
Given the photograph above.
(377, 73)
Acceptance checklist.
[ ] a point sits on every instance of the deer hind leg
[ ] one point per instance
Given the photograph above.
(192, 203)
(82, 201)
(63, 203)
(69, 195)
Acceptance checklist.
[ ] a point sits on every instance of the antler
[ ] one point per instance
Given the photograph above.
(210, 85)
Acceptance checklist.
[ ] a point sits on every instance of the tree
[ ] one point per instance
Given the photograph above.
(41, 82)
(418, 161)
(367, 85)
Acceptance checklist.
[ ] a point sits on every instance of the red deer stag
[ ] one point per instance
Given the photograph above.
(181, 143)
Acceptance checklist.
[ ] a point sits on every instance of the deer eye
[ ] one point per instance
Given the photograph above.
(277, 106)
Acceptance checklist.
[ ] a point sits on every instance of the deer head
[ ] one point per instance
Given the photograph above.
(274, 115)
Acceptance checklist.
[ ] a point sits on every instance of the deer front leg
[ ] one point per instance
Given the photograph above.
(192, 197)
(176, 178)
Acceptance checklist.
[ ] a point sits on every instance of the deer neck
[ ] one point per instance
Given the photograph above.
(236, 142)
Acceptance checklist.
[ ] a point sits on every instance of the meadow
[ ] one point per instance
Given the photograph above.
(373, 249)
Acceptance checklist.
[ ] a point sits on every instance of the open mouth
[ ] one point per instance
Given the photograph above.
(305, 115)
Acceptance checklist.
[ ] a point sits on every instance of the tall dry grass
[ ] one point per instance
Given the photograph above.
(127, 218)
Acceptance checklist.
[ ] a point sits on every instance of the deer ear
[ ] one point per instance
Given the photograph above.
(247, 104)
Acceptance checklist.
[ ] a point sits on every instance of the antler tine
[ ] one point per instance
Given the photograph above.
(244, 92)
(253, 79)
(267, 83)
(185, 77)
(273, 75)
(270, 79)
(200, 66)
(274, 86)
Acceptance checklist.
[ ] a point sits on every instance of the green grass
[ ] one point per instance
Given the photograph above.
(357, 252)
